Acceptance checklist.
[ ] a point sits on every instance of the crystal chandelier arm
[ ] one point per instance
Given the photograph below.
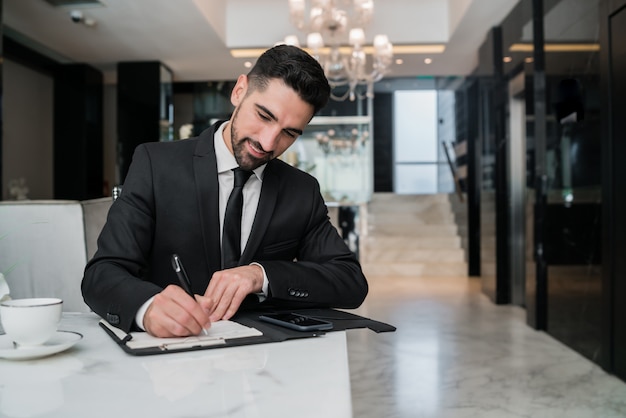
(315, 41)
(357, 37)
(364, 10)
(339, 98)
(296, 13)
(328, 23)
(292, 40)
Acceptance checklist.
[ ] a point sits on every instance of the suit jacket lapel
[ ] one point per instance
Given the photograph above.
(267, 202)
(207, 187)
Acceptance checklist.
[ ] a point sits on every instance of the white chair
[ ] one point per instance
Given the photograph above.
(43, 249)
(95, 213)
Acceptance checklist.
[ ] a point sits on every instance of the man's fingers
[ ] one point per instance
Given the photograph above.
(174, 313)
(161, 323)
(228, 288)
(234, 305)
(207, 306)
(224, 302)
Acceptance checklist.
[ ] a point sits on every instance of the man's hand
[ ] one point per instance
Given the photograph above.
(228, 288)
(173, 313)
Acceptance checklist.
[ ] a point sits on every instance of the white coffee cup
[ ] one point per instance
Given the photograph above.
(32, 321)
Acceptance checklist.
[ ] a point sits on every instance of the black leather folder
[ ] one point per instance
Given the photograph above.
(268, 333)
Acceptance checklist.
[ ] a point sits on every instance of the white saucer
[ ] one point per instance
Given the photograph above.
(61, 341)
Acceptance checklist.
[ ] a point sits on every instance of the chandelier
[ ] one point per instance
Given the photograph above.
(328, 27)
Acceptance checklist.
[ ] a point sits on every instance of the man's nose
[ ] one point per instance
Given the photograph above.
(269, 137)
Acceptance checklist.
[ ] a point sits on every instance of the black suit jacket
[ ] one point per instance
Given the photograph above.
(169, 204)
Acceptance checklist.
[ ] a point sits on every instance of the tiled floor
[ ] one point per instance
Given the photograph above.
(456, 354)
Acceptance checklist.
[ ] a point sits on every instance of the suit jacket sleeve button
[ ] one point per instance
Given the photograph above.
(292, 292)
(113, 319)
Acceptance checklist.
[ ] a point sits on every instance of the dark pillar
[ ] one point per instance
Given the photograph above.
(474, 171)
(613, 71)
(78, 165)
(536, 290)
(1, 95)
(142, 107)
(383, 142)
(503, 279)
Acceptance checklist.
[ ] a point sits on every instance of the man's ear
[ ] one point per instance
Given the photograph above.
(240, 90)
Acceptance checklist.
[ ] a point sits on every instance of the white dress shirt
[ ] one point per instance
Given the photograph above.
(251, 192)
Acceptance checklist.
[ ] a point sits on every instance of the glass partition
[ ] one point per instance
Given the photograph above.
(573, 166)
(562, 229)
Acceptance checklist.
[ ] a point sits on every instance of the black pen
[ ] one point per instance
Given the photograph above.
(177, 265)
(183, 279)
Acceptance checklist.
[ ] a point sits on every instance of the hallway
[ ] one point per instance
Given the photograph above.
(456, 354)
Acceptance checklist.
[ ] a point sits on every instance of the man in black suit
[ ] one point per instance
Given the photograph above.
(174, 199)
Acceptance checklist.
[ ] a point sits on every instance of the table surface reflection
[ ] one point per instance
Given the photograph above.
(95, 378)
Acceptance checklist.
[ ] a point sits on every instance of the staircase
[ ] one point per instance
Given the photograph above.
(411, 235)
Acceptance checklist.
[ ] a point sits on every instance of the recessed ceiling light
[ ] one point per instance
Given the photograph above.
(247, 64)
(419, 49)
(428, 61)
(507, 59)
(397, 50)
(75, 3)
(528, 59)
(399, 61)
(554, 47)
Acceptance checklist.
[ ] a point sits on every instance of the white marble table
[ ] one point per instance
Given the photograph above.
(95, 378)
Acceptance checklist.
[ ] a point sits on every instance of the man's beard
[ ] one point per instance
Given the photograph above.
(242, 156)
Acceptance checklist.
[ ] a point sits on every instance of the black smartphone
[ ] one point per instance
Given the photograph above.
(297, 322)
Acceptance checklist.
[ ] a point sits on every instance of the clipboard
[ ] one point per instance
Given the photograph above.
(223, 333)
(245, 328)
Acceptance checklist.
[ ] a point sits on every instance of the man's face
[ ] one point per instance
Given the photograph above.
(265, 123)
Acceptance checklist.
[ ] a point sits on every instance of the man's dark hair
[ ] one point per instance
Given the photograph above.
(297, 69)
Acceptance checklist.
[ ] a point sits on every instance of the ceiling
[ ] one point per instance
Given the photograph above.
(194, 37)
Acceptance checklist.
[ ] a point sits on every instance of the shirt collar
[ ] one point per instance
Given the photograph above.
(225, 160)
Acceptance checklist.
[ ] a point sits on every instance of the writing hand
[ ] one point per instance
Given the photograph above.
(173, 313)
(228, 288)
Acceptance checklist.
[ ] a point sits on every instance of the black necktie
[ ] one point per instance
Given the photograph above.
(231, 236)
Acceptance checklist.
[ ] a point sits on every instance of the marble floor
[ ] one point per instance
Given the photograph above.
(456, 354)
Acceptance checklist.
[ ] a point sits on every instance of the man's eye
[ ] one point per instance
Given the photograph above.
(264, 117)
(291, 134)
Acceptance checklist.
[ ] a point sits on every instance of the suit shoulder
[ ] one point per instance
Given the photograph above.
(286, 171)
(170, 146)
(168, 150)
